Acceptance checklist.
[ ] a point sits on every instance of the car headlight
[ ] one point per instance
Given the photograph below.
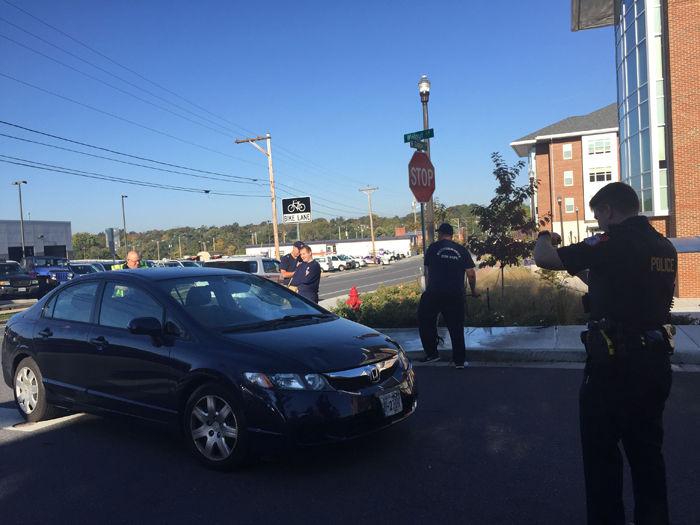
(4, 283)
(287, 381)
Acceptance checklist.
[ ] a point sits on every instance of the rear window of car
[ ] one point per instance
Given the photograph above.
(241, 266)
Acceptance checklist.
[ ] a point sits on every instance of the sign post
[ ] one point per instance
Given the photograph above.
(295, 211)
(421, 181)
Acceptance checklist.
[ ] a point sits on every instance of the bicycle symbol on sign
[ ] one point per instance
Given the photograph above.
(296, 207)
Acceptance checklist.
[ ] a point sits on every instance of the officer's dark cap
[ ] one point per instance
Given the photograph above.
(446, 229)
(619, 196)
(298, 244)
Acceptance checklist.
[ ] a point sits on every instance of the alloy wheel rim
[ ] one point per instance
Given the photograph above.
(26, 390)
(213, 428)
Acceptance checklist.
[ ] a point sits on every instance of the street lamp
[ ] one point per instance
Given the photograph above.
(126, 241)
(578, 227)
(19, 183)
(561, 219)
(424, 91)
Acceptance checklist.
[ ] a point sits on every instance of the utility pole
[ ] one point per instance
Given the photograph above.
(561, 220)
(158, 250)
(368, 191)
(273, 200)
(19, 183)
(578, 227)
(179, 244)
(126, 247)
(415, 218)
(424, 91)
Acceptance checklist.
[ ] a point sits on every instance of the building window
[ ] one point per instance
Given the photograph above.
(569, 205)
(568, 178)
(600, 175)
(598, 147)
(567, 151)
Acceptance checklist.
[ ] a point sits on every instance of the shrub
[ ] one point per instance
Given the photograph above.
(527, 301)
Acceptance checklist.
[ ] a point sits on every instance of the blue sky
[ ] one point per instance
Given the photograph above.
(335, 83)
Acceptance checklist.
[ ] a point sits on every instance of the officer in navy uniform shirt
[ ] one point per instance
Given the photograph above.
(289, 262)
(445, 265)
(307, 276)
(630, 271)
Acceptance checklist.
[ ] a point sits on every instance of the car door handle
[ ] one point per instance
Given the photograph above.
(46, 333)
(100, 342)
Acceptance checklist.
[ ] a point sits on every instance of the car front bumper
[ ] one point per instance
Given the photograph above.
(316, 417)
(19, 291)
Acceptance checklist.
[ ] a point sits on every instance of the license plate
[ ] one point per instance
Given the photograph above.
(21, 289)
(391, 403)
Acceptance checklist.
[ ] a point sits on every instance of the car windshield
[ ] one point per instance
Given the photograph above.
(10, 269)
(48, 262)
(233, 302)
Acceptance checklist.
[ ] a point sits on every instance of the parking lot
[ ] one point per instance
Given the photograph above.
(487, 445)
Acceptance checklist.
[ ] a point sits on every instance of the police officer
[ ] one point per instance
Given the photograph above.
(445, 264)
(627, 379)
(289, 262)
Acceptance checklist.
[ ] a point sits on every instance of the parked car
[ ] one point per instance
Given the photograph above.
(359, 261)
(208, 342)
(325, 263)
(49, 271)
(255, 264)
(340, 263)
(350, 262)
(16, 282)
(169, 264)
(190, 264)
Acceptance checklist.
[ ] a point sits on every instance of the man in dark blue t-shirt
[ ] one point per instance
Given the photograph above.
(446, 263)
(307, 276)
(289, 262)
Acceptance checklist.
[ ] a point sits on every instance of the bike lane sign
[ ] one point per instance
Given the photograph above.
(296, 209)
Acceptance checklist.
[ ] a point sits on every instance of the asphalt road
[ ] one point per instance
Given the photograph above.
(487, 445)
(370, 278)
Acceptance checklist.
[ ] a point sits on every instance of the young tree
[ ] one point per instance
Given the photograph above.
(507, 229)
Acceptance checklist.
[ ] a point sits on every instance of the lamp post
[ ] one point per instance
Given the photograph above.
(578, 227)
(126, 241)
(424, 91)
(19, 183)
(561, 220)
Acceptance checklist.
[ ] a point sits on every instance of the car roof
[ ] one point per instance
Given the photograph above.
(163, 274)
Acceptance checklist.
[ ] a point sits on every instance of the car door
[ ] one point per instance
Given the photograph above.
(136, 374)
(61, 340)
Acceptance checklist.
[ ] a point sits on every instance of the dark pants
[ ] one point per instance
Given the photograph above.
(623, 400)
(452, 307)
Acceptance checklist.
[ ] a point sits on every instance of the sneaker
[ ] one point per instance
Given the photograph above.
(461, 365)
(429, 359)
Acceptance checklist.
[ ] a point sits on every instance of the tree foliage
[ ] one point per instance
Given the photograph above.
(505, 223)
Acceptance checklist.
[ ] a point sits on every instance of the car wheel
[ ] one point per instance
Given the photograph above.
(214, 428)
(341, 268)
(30, 395)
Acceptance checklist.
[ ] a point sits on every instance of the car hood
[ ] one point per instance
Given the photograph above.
(323, 346)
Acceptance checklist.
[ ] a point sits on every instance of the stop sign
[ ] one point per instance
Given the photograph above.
(421, 176)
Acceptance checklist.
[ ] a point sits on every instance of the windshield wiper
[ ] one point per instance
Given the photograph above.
(304, 316)
(249, 326)
(275, 322)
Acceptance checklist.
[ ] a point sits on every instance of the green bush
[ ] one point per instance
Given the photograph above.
(527, 301)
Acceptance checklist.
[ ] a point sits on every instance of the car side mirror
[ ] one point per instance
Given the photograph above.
(146, 326)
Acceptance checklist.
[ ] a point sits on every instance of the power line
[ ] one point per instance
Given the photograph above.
(126, 162)
(162, 163)
(111, 178)
(124, 119)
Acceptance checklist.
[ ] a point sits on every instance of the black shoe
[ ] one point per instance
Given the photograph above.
(429, 359)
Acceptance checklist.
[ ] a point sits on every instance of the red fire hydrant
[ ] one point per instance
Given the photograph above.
(354, 300)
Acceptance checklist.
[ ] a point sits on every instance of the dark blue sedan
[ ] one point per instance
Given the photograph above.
(230, 358)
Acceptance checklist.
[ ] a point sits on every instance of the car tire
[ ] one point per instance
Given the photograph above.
(30, 394)
(218, 441)
(341, 268)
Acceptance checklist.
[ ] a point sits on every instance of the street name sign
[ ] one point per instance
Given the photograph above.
(421, 177)
(419, 135)
(296, 210)
(419, 145)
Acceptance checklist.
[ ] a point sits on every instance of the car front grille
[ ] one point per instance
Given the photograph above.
(20, 283)
(356, 379)
(60, 275)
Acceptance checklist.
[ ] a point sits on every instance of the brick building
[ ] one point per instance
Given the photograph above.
(568, 162)
(657, 50)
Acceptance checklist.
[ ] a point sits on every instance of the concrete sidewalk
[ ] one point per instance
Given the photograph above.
(533, 344)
